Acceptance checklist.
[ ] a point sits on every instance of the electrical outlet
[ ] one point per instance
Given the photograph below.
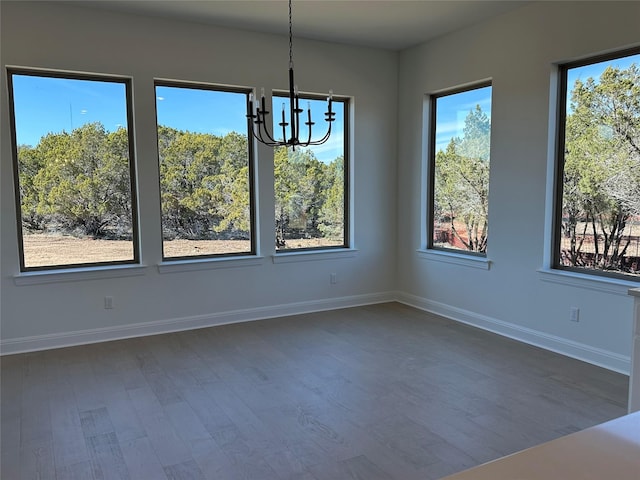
(574, 314)
(108, 303)
(333, 278)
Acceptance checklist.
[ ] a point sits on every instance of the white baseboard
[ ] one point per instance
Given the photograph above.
(83, 337)
(596, 356)
(579, 351)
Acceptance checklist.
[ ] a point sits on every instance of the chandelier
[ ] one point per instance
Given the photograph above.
(259, 120)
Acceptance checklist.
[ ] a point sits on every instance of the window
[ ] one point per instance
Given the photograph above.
(74, 169)
(460, 131)
(597, 211)
(206, 171)
(311, 184)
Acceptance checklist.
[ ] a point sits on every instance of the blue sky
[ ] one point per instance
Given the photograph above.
(52, 105)
(452, 111)
(595, 70)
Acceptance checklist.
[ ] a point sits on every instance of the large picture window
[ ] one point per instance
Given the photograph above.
(206, 171)
(74, 169)
(311, 184)
(460, 131)
(597, 228)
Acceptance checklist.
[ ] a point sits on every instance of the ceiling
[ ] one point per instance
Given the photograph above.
(389, 24)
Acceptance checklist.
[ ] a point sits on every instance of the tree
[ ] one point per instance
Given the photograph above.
(231, 193)
(204, 181)
(30, 162)
(81, 181)
(332, 213)
(300, 193)
(461, 193)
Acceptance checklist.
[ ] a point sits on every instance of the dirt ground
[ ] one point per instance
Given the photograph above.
(49, 250)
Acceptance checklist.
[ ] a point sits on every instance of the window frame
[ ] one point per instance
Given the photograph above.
(346, 102)
(431, 167)
(251, 152)
(70, 75)
(559, 161)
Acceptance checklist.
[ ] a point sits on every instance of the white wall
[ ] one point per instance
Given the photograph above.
(52, 35)
(517, 51)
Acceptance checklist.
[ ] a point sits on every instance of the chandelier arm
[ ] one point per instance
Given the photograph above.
(292, 108)
(256, 130)
(323, 139)
(258, 137)
(297, 110)
(262, 131)
(265, 129)
(310, 134)
(261, 119)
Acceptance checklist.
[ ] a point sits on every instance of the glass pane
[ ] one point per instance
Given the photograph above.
(204, 171)
(74, 173)
(310, 182)
(600, 225)
(461, 170)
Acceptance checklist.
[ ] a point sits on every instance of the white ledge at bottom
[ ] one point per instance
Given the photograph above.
(473, 261)
(78, 274)
(314, 255)
(192, 265)
(585, 280)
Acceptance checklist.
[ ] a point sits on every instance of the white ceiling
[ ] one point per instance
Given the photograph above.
(390, 24)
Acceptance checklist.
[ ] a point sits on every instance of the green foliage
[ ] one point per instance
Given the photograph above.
(333, 208)
(204, 181)
(77, 182)
(601, 189)
(308, 196)
(461, 193)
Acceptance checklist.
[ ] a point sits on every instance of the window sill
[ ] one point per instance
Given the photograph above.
(177, 266)
(313, 255)
(584, 280)
(78, 274)
(473, 261)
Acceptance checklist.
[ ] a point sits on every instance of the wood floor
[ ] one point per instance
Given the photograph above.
(376, 392)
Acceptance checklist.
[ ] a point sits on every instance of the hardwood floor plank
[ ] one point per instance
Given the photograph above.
(355, 468)
(141, 459)
(76, 471)
(123, 416)
(213, 462)
(36, 460)
(169, 447)
(184, 471)
(107, 460)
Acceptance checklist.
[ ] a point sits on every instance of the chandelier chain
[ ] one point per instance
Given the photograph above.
(290, 37)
